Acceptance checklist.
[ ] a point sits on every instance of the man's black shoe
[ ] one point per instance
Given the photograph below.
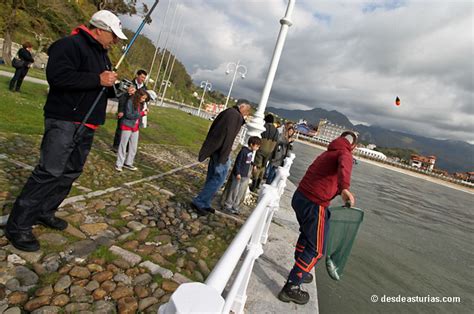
(308, 278)
(199, 211)
(24, 240)
(293, 293)
(210, 210)
(52, 222)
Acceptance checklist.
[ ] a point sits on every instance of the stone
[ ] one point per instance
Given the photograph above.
(15, 260)
(30, 257)
(47, 310)
(65, 269)
(130, 257)
(167, 250)
(180, 262)
(191, 250)
(146, 303)
(13, 310)
(75, 232)
(143, 234)
(142, 280)
(13, 284)
(179, 278)
(92, 285)
(130, 245)
(157, 269)
(163, 238)
(104, 307)
(125, 202)
(53, 238)
(51, 263)
(103, 276)
(169, 286)
(81, 282)
(132, 272)
(127, 305)
(2, 292)
(99, 294)
(158, 293)
(135, 225)
(60, 300)
(199, 277)
(46, 290)
(76, 307)
(17, 298)
(203, 267)
(108, 286)
(82, 248)
(141, 292)
(62, 284)
(36, 303)
(167, 193)
(94, 228)
(125, 214)
(114, 269)
(121, 292)
(125, 236)
(76, 219)
(39, 269)
(94, 268)
(80, 272)
(121, 264)
(123, 279)
(77, 292)
(3, 255)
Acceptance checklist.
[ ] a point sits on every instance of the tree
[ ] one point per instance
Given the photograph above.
(11, 7)
(120, 6)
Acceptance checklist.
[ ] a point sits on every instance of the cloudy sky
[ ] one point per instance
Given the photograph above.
(355, 57)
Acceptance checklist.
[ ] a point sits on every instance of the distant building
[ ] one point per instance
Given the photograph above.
(465, 176)
(303, 128)
(214, 108)
(370, 153)
(423, 162)
(327, 131)
(371, 146)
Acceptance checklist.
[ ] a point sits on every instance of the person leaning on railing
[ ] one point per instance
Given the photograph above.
(328, 176)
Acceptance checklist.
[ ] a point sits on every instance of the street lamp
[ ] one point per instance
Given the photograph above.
(205, 85)
(236, 68)
(256, 125)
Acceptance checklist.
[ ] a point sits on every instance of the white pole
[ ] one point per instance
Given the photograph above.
(204, 84)
(256, 126)
(236, 70)
(157, 42)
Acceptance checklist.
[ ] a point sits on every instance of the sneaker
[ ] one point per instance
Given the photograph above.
(119, 169)
(308, 278)
(293, 293)
(132, 168)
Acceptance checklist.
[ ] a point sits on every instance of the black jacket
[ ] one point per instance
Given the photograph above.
(243, 161)
(73, 73)
(123, 98)
(25, 55)
(222, 134)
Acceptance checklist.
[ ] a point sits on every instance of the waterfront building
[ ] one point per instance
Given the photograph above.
(327, 131)
(423, 162)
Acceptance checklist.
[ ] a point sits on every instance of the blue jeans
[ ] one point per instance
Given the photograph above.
(216, 175)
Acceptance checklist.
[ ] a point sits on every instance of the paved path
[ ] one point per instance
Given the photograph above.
(27, 78)
(272, 268)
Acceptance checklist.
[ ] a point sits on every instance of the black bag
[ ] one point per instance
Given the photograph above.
(18, 63)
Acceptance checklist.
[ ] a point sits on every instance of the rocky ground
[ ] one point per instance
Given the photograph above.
(132, 238)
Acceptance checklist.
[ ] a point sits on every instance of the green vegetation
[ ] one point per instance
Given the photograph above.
(103, 252)
(402, 153)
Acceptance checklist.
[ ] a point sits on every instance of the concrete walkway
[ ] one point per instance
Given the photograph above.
(272, 268)
(27, 78)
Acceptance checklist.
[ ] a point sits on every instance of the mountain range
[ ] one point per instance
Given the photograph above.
(452, 156)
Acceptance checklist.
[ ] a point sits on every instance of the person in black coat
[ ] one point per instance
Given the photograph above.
(24, 54)
(78, 69)
(218, 146)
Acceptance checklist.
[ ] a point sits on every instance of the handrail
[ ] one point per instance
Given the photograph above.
(207, 297)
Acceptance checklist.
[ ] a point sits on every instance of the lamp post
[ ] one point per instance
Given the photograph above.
(236, 68)
(205, 85)
(256, 126)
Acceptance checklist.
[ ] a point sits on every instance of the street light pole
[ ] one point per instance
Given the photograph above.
(205, 85)
(237, 66)
(256, 126)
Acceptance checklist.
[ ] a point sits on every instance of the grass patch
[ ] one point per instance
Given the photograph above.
(158, 279)
(32, 72)
(103, 252)
(48, 279)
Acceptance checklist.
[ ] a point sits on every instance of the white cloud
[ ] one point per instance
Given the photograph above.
(350, 56)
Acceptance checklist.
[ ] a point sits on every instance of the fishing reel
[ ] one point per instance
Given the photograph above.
(123, 86)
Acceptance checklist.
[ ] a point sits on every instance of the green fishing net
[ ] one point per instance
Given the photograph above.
(344, 223)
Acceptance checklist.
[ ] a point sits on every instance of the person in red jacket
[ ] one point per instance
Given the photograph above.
(328, 176)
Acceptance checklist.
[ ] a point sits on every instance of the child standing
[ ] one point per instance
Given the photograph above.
(240, 175)
(130, 125)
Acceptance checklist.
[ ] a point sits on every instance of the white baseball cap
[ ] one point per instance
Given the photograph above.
(108, 21)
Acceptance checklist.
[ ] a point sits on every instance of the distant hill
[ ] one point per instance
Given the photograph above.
(453, 156)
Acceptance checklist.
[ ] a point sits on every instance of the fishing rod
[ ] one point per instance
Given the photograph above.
(104, 89)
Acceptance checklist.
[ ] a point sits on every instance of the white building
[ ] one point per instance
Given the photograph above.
(370, 153)
(327, 131)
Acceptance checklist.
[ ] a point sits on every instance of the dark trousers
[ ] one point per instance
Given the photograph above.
(18, 77)
(61, 163)
(311, 245)
(118, 134)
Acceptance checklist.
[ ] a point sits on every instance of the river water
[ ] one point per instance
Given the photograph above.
(417, 239)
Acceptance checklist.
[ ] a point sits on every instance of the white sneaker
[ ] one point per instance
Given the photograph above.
(119, 169)
(132, 168)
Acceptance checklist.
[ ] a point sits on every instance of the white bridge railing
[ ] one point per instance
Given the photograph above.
(208, 297)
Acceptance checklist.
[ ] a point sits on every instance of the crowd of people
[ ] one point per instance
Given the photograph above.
(79, 69)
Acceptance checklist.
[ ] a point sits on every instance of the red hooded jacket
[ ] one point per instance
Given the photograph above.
(329, 174)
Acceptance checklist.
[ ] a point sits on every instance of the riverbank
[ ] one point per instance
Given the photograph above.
(404, 171)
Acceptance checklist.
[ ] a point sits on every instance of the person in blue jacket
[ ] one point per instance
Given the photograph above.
(240, 176)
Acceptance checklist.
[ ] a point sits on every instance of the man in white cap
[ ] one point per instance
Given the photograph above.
(78, 68)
